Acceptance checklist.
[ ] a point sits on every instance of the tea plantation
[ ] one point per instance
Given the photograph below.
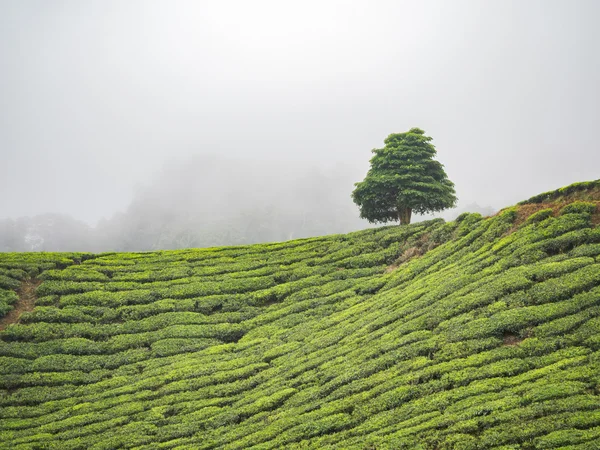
(483, 333)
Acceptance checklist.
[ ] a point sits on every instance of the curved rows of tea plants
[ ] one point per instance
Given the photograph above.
(16, 267)
(490, 339)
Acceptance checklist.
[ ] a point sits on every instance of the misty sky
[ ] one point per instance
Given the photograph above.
(95, 96)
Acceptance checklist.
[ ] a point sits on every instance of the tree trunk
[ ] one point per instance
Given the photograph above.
(404, 215)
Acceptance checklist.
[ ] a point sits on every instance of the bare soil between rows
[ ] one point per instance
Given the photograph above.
(25, 303)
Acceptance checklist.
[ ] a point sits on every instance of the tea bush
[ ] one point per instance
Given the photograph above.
(488, 336)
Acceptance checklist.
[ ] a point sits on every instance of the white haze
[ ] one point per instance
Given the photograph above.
(97, 97)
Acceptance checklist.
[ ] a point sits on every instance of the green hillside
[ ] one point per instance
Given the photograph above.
(475, 334)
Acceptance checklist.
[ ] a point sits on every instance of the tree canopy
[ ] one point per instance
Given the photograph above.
(404, 178)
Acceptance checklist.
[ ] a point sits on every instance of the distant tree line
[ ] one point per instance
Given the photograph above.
(205, 201)
(209, 201)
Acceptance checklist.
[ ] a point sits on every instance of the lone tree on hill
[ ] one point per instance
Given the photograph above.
(404, 178)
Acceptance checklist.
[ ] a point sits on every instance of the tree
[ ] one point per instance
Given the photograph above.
(404, 178)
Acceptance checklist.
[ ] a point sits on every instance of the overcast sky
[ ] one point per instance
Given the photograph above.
(95, 96)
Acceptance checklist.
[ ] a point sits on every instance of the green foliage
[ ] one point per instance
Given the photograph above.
(8, 283)
(488, 336)
(579, 208)
(404, 178)
(540, 215)
(7, 299)
(574, 188)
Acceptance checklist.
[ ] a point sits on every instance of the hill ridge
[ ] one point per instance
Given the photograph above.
(474, 334)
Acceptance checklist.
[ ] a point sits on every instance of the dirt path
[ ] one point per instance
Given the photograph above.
(26, 302)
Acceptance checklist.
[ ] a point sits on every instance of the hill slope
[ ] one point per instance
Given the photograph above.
(476, 334)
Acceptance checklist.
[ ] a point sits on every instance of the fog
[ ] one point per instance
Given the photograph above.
(151, 124)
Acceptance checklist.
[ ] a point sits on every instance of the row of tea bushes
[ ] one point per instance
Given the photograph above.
(487, 340)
